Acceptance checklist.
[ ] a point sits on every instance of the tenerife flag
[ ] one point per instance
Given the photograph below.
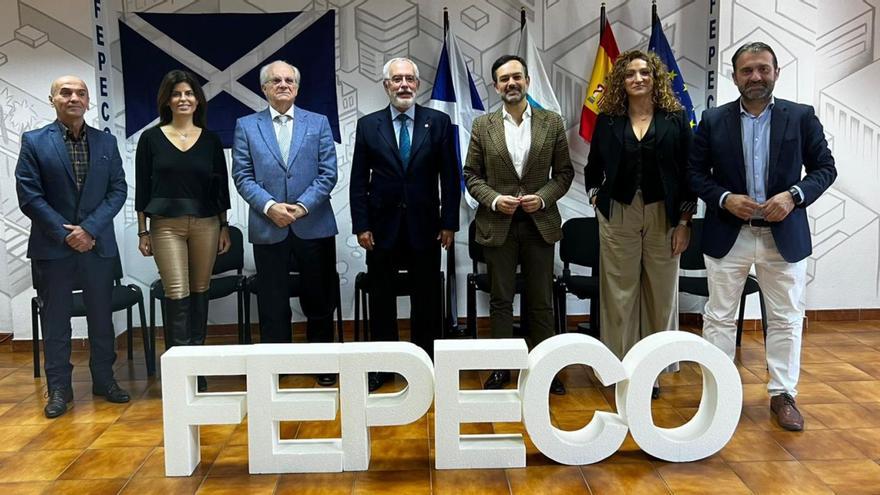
(456, 95)
(660, 46)
(225, 52)
(540, 92)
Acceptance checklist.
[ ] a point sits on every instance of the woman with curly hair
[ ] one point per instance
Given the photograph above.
(635, 179)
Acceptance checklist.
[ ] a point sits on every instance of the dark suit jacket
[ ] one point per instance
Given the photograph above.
(489, 172)
(383, 194)
(47, 191)
(673, 140)
(716, 165)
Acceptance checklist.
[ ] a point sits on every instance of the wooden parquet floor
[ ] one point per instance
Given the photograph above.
(98, 447)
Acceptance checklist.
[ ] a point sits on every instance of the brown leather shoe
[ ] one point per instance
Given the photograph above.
(787, 414)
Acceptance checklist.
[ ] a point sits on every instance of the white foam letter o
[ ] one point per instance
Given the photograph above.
(716, 419)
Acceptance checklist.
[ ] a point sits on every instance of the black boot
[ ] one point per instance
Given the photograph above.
(177, 322)
(198, 325)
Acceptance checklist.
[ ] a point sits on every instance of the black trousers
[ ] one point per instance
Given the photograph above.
(56, 280)
(423, 267)
(316, 261)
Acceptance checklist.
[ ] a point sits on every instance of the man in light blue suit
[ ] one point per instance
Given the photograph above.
(70, 183)
(284, 166)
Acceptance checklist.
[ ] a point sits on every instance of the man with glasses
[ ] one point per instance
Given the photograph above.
(284, 166)
(405, 190)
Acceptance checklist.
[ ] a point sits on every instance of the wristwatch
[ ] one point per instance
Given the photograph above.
(796, 195)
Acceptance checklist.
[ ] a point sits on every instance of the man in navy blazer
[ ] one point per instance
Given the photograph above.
(70, 183)
(405, 191)
(284, 166)
(747, 164)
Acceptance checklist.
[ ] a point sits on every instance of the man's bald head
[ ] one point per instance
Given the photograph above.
(70, 98)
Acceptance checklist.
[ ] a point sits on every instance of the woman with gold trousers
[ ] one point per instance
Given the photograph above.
(635, 179)
(182, 188)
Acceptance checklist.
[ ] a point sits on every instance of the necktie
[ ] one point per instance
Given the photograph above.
(284, 137)
(404, 141)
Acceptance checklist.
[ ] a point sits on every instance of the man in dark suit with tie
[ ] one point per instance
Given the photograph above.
(401, 213)
(746, 163)
(70, 183)
(286, 174)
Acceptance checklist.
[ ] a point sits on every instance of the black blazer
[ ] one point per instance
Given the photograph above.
(716, 165)
(673, 140)
(383, 194)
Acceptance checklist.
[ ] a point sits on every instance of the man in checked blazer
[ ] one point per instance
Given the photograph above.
(517, 168)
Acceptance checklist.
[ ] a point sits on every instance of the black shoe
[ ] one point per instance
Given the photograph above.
(202, 384)
(556, 387)
(326, 380)
(655, 393)
(458, 332)
(112, 393)
(376, 380)
(497, 380)
(58, 400)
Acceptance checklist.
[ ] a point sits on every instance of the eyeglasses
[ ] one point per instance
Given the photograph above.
(276, 81)
(397, 80)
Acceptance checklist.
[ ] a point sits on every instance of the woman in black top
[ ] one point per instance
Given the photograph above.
(182, 187)
(635, 179)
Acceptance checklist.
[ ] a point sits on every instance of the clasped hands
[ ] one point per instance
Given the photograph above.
(775, 209)
(78, 239)
(284, 214)
(507, 204)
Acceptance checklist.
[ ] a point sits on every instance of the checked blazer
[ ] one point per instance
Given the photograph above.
(489, 173)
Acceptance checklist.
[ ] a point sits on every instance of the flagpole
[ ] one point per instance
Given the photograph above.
(601, 20)
(451, 327)
(654, 16)
(522, 18)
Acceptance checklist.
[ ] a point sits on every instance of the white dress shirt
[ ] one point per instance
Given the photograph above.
(518, 138)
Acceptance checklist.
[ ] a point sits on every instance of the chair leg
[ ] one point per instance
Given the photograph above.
(357, 314)
(365, 305)
(472, 309)
(129, 337)
(556, 325)
(763, 314)
(739, 321)
(149, 341)
(562, 303)
(246, 299)
(340, 329)
(35, 329)
(239, 302)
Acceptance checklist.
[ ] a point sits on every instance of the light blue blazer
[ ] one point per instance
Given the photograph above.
(308, 176)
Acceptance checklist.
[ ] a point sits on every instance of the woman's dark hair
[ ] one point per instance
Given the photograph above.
(163, 100)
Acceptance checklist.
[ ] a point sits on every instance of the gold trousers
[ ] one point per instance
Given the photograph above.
(184, 249)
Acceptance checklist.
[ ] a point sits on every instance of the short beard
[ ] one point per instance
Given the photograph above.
(403, 103)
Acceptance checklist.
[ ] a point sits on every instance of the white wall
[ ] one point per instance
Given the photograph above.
(828, 51)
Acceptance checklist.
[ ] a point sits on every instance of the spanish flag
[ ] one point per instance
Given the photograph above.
(606, 54)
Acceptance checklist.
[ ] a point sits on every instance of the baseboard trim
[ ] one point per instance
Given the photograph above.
(685, 319)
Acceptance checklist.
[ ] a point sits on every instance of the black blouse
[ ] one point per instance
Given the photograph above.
(639, 168)
(174, 183)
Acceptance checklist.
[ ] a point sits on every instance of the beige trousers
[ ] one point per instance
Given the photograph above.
(638, 276)
(184, 249)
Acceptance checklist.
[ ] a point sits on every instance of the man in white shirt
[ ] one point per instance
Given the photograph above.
(517, 168)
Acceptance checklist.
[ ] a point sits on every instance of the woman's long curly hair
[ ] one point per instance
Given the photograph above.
(615, 100)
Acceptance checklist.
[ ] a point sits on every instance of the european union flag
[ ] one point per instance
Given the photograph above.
(226, 51)
(659, 45)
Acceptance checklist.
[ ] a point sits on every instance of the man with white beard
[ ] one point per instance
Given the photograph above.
(400, 212)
